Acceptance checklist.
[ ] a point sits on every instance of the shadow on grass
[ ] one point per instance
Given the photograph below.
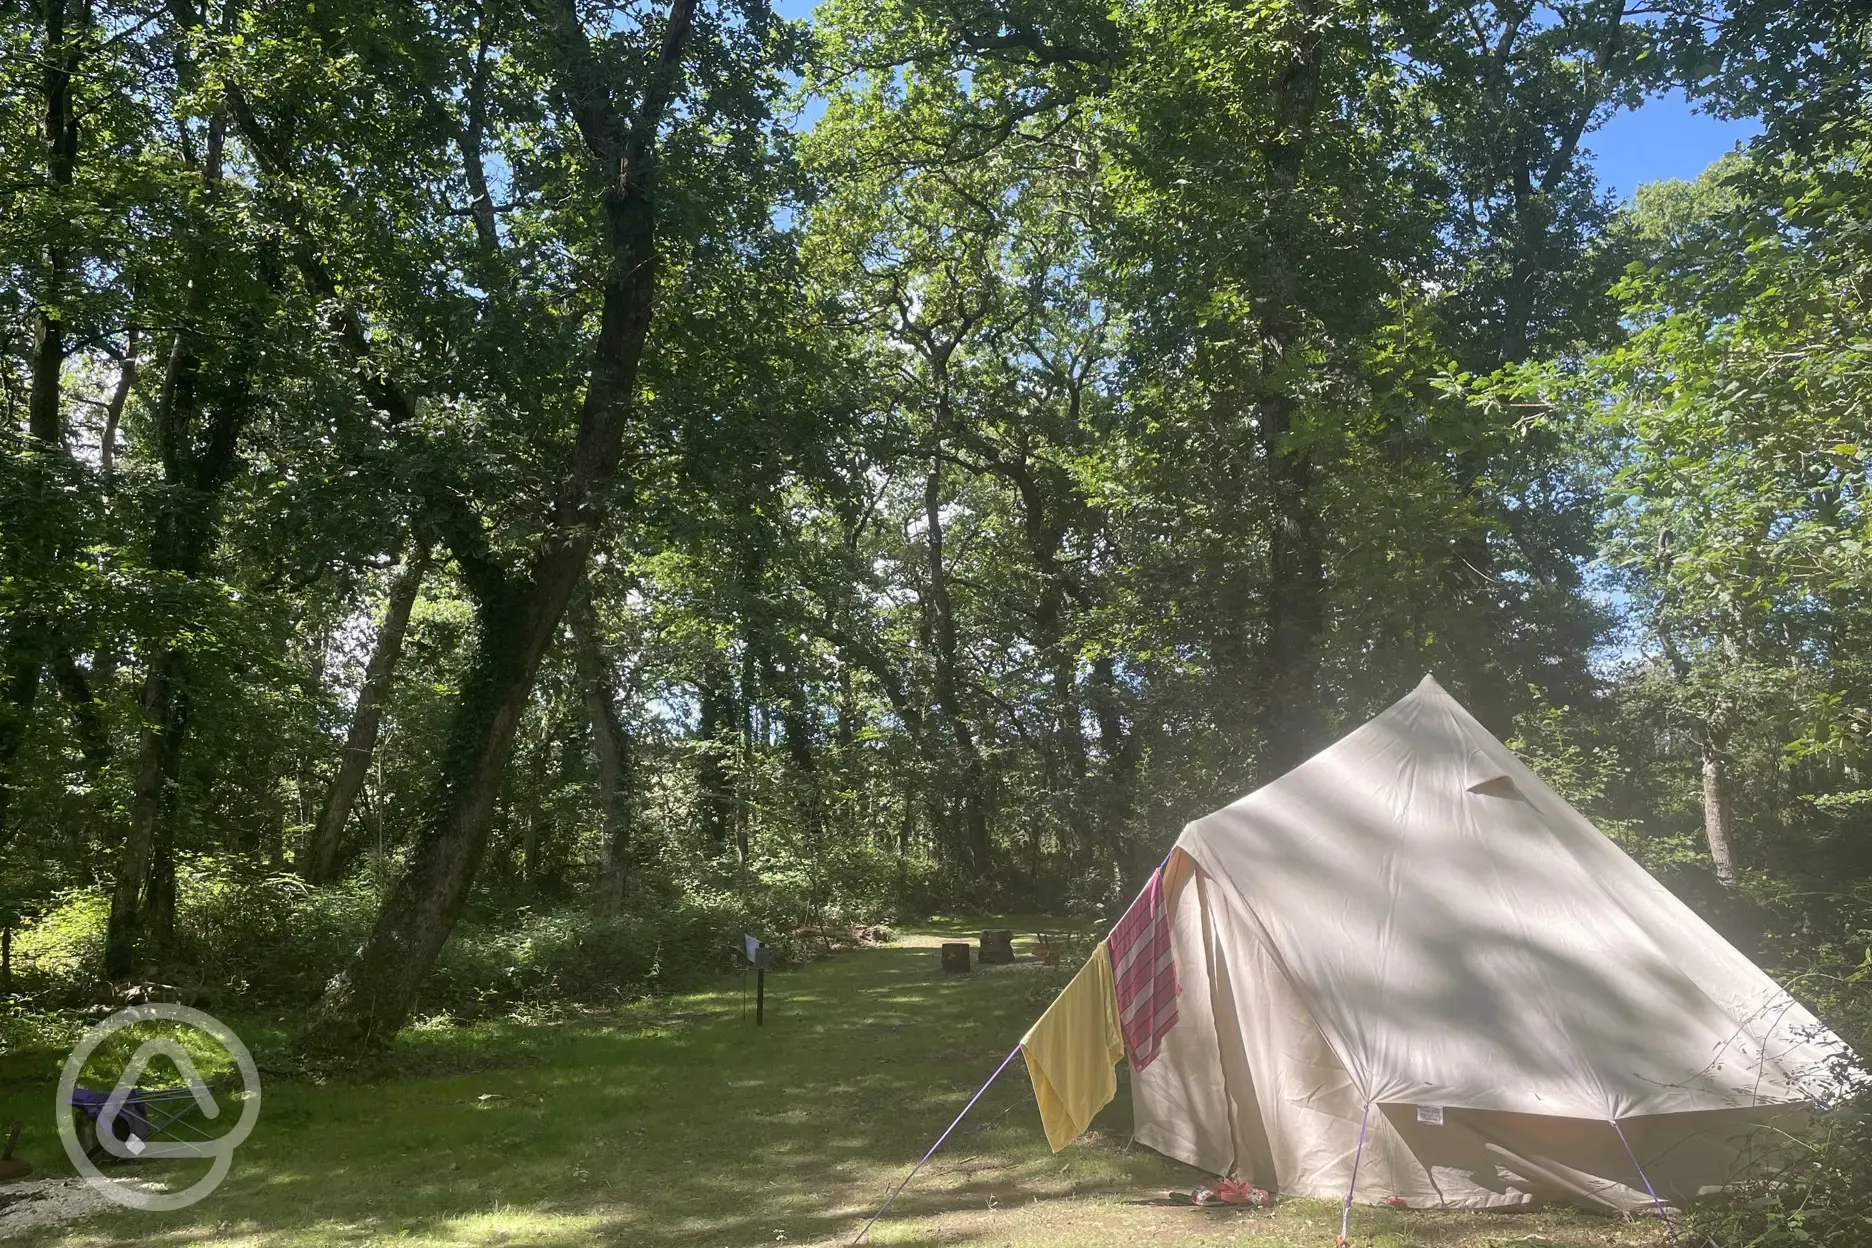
(671, 1123)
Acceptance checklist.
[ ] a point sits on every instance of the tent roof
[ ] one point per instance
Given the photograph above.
(1464, 938)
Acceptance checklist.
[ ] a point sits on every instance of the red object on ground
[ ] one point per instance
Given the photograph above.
(1231, 1192)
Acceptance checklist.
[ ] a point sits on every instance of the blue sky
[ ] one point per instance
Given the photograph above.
(1663, 139)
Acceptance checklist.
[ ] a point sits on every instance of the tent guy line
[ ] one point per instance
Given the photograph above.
(1639, 1166)
(1358, 1155)
(1012, 1053)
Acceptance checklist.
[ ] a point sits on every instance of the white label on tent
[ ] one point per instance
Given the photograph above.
(1430, 1115)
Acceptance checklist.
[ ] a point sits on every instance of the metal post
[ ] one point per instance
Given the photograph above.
(760, 996)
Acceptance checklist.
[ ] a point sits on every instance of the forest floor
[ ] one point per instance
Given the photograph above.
(679, 1123)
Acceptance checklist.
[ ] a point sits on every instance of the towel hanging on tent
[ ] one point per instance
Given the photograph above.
(1072, 1050)
(1145, 974)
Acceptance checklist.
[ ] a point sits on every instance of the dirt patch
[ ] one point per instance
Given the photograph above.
(46, 1202)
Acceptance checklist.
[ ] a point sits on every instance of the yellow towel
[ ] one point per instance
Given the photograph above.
(1071, 1051)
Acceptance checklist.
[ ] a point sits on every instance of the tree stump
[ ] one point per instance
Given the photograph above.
(955, 956)
(997, 947)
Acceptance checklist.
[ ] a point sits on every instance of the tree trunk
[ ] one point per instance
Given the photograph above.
(157, 911)
(24, 663)
(796, 722)
(750, 731)
(1296, 598)
(327, 836)
(48, 360)
(113, 412)
(60, 137)
(370, 998)
(975, 845)
(715, 797)
(472, 135)
(518, 618)
(164, 709)
(88, 724)
(1296, 602)
(22, 693)
(1044, 526)
(1120, 750)
(906, 828)
(616, 780)
(611, 744)
(197, 422)
(1718, 814)
(532, 842)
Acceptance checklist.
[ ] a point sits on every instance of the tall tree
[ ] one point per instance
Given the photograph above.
(208, 395)
(323, 842)
(617, 773)
(1738, 448)
(518, 611)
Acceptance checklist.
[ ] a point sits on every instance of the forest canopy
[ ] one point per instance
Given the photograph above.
(498, 498)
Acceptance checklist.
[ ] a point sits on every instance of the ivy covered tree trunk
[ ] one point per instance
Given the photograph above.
(205, 403)
(21, 693)
(518, 617)
(30, 638)
(320, 853)
(164, 710)
(970, 797)
(611, 744)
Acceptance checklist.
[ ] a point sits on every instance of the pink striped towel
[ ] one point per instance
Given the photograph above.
(1144, 974)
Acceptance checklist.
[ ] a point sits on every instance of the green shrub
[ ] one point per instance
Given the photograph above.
(569, 955)
(273, 940)
(266, 939)
(60, 955)
(1821, 1197)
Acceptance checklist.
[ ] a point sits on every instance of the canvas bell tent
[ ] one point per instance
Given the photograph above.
(1408, 972)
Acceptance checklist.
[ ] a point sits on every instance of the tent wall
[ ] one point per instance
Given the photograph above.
(1465, 939)
(1248, 1084)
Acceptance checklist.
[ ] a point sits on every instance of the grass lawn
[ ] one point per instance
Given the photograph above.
(675, 1123)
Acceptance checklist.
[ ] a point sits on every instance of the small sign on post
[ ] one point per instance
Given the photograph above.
(759, 955)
